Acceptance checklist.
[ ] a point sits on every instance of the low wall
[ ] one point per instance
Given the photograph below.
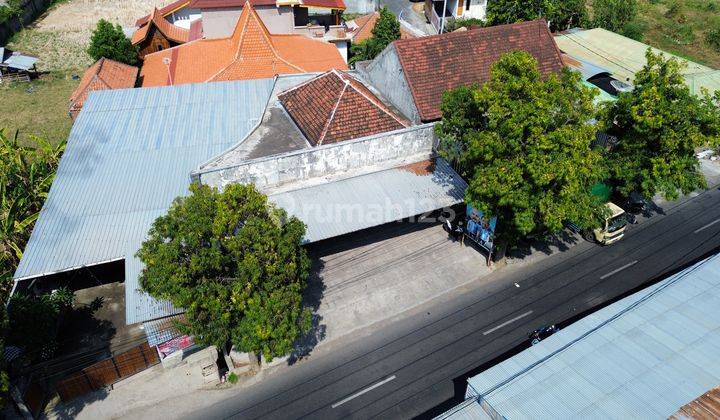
(381, 151)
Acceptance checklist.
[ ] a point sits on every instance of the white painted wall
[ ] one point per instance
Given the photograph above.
(478, 9)
(342, 47)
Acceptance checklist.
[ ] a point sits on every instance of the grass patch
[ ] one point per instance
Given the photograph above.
(682, 27)
(38, 108)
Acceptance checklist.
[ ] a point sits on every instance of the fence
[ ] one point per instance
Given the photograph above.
(31, 9)
(107, 372)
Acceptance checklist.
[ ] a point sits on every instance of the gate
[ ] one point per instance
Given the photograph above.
(107, 372)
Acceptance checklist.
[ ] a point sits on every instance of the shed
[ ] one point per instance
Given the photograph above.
(129, 154)
(623, 57)
(15, 65)
(649, 355)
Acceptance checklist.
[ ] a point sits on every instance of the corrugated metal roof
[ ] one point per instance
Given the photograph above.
(17, 60)
(352, 204)
(624, 57)
(129, 154)
(645, 357)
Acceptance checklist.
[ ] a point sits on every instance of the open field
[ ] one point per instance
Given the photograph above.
(38, 108)
(681, 26)
(61, 36)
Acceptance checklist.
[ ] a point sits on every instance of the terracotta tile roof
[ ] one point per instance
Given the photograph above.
(330, 4)
(365, 25)
(250, 53)
(335, 106)
(171, 32)
(435, 64)
(105, 74)
(164, 11)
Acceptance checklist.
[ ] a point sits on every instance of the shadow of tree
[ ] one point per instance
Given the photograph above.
(557, 242)
(312, 298)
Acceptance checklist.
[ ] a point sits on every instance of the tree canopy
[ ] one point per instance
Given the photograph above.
(523, 144)
(618, 16)
(560, 14)
(659, 125)
(110, 42)
(235, 264)
(385, 31)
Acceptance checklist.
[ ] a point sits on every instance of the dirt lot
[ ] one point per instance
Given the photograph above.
(61, 36)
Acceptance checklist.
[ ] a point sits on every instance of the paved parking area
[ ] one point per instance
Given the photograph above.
(376, 274)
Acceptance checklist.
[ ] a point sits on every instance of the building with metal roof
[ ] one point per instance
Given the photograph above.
(644, 356)
(360, 202)
(129, 154)
(623, 57)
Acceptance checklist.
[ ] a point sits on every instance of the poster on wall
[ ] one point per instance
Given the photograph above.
(480, 229)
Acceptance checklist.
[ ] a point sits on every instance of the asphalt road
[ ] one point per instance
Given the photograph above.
(409, 367)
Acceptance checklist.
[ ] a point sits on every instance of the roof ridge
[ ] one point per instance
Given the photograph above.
(377, 103)
(299, 85)
(332, 114)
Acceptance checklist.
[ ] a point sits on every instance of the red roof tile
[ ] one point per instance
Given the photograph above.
(436, 64)
(330, 4)
(335, 106)
(164, 11)
(250, 53)
(170, 31)
(105, 74)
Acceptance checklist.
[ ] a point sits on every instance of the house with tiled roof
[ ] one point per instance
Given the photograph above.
(414, 73)
(179, 13)
(105, 74)
(335, 107)
(361, 28)
(252, 52)
(158, 34)
(280, 16)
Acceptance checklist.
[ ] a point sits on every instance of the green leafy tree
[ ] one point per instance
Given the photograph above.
(561, 14)
(523, 144)
(41, 315)
(110, 42)
(235, 264)
(386, 30)
(617, 16)
(659, 125)
(26, 173)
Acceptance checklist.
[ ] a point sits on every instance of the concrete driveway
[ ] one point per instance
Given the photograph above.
(374, 275)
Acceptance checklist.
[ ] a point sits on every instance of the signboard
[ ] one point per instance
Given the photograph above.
(479, 229)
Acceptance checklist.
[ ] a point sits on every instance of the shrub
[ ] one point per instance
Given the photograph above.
(110, 42)
(614, 15)
(233, 378)
(713, 38)
(634, 30)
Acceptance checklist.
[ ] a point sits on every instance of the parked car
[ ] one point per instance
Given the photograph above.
(542, 333)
